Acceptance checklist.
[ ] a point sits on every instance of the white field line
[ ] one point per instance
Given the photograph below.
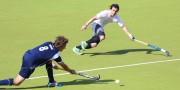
(130, 65)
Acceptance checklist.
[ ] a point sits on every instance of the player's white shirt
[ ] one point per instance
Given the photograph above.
(104, 18)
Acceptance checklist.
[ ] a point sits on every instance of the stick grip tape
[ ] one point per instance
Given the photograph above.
(155, 47)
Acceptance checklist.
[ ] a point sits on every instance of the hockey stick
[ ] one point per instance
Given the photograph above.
(152, 46)
(86, 75)
(89, 76)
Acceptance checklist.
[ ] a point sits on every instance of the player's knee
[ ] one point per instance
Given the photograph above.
(17, 83)
(102, 37)
(93, 45)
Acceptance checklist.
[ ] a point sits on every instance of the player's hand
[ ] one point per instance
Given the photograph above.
(72, 71)
(55, 67)
(83, 27)
(132, 37)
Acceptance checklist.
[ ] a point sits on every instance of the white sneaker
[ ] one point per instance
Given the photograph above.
(77, 51)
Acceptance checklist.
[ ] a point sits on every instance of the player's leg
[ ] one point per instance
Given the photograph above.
(77, 49)
(94, 41)
(91, 43)
(98, 35)
(17, 81)
(24, 72)
(52, 82)
(50, 72)
(8, 81)
(94, 44)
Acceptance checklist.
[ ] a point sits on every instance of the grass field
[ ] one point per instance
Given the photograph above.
(27, 23)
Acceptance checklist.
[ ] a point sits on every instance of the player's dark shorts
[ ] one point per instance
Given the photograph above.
(27, 65)
(97, 29)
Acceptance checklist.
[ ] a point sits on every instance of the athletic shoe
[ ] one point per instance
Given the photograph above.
(54, 84)
(77, 51)
(83, 45)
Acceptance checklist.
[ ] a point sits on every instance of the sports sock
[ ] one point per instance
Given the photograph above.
(94, 39)
(50, 72)
(6, 82)
(79, 47)
(88, 46)
(90, 41)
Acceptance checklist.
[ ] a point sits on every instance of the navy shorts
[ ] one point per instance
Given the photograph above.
(27, 65)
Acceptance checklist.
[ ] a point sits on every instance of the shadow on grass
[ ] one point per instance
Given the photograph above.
(74, 82)
(85, 82)
(125, 51)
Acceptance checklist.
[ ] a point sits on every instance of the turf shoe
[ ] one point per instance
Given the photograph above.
(83, 45)
(77, 51)
(54, 84)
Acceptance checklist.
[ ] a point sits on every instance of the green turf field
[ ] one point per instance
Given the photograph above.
(27, 23)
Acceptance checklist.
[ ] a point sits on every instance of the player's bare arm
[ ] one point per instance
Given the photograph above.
(88, 22)
(66, 68)
(54, 65)
(125, 29)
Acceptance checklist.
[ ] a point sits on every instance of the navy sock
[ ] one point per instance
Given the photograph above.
(6, 81)
(50, 72)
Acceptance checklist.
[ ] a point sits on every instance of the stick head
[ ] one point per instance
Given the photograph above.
(167, 53)
(97, 77)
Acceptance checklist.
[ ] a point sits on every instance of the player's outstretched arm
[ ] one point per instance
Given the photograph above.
(66, 68)
(128, 33)
(54, 65)
(88, 22)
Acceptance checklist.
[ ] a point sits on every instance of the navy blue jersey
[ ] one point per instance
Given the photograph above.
(41, 54)
(38, 56)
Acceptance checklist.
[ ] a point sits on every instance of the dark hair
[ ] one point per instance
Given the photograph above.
(60, 41)
(115, 6)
